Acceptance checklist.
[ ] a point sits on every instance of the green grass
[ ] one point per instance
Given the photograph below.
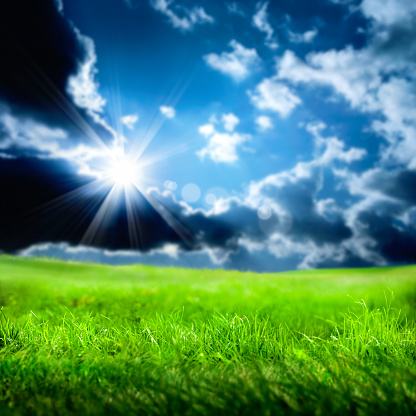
(92, 339)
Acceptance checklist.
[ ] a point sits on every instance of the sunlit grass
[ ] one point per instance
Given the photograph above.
(93, 339)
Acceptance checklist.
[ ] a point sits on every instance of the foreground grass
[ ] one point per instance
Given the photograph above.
(92, 339)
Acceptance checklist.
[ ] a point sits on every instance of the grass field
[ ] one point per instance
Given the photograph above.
(91, 339)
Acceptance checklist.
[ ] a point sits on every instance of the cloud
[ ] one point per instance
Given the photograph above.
(169, 255)
(292, 196)
(168, 112)
(230, 120)
(207, 258)
(222, 147)
(59, 5)
(29, 135)
(348, 71)
(238, 64)
(6, 156)
(383, 221)
(378, 185)
(264, 123)
(132, 4)
(301, 228)
(190, 17)
(378, 79)
(83, 88)
(274, 96)
(26, 137)
(234, 8)
(35, 77)
(333, 148)
(207, 130)
(48, 85)
(260, 21)
(341, 1)
(52, 184)
(388, 12)
(130, 120)
(306, 37)
(284, 220)
(315, 231)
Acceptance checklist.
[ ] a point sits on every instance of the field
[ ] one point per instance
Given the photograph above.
(92, 339)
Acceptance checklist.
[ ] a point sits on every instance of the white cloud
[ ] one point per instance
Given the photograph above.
(164, 254)
(378, 79)
(84, 90)
(130, 120)
(190, 17)
(234, 8)
(168, 112)
(371, 82)
(237, 64)
(82, 86)
(27, 134)
(332, 148)
(207, 130)
(39, 140)
(353, 74)
(388, 12)
(335, 150)
(274, 96)
(169, 255)
(397, 98)
(222, 147)
(264, 123)
(303, 183)
(260, 21)
(230, 121)
(305, 37)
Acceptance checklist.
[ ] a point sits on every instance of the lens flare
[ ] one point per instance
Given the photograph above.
(123, 173)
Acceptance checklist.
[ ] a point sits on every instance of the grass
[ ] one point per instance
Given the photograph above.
(92, 339)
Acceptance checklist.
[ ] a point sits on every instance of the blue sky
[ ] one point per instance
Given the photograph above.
(270, 135)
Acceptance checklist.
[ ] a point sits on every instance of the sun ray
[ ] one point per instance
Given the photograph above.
(183, 233)
(133, 220)
(152, 130)
(43, 81)
(103, 215)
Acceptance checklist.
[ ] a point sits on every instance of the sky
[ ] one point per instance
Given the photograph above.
(248, 135)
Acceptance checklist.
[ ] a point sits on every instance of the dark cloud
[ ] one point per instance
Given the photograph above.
(298, 198)
(220, 229)
(395, 242)
(397, 184)
(383, 220)
(397, 42)
(36, 209)
(241, 259)
(39, 51)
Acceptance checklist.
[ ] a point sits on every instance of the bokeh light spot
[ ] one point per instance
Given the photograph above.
(191, 192)
(210, 199)
(170, 185)
(264, 212)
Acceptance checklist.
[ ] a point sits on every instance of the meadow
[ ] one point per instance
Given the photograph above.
(90, 339)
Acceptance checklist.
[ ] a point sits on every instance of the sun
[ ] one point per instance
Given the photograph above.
(124, 173)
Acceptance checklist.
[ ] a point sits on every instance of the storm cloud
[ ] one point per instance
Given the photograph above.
(337, 206)
(43, 58)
